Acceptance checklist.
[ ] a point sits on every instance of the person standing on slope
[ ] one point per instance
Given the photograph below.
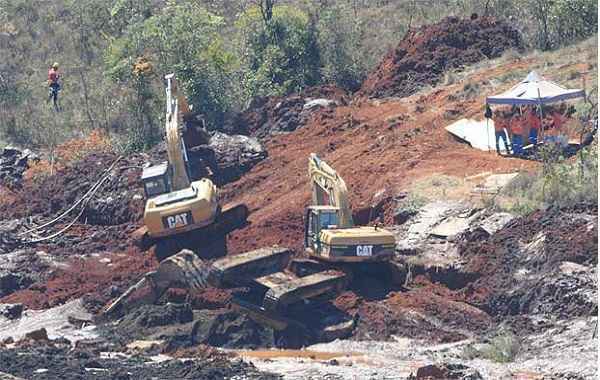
(53, 77)
(499, 125)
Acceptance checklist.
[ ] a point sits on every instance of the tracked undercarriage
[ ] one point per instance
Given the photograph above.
(275, 289)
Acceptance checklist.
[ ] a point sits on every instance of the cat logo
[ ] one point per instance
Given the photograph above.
(364, 250)
(177, 220)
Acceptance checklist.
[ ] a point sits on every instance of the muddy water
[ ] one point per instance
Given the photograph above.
(308, 354)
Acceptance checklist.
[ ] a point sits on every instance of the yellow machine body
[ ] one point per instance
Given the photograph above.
(330, 233)
(188, 210)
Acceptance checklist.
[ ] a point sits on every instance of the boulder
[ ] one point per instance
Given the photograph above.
(13, 163)
(235, 155)
(39, 334)
(11, 310)
(447, 371)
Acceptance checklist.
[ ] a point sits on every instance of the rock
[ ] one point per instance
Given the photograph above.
(152, 316)
(318, 103)
(13, 163)
(231, 330)
(235, 155)
(7, 376)
(40, 334)
(11, 311)
(10, 151)
(402, 215)
(448, 371)
(11, 282)
(266, 117)
(567, 267)
(8, 340)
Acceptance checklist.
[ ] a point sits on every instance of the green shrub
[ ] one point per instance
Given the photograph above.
(341, 39)
(560, 182)
(502, 348)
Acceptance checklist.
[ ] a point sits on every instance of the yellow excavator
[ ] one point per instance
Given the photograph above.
(329, 231)
(280, 287)
(179, 213)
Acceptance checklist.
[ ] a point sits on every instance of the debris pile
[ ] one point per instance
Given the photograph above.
(447, 371)
(426, 53)
(235, 155)
(178, 326)
(280, 114)
(13, 163)
(543, 263)
(58, 360)
(114, 203)
(224, 158)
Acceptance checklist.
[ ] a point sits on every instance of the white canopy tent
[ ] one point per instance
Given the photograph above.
(535, 90)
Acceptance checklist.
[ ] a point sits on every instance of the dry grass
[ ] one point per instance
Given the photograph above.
(70, 151)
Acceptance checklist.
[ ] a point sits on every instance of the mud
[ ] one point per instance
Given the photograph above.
(113, 204)
(424, 54)
(55, 361)
(180, 327)
(521, 264)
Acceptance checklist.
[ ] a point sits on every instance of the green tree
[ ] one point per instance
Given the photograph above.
(340, 42)
(573, 20)
(279, 49)
(184, 38)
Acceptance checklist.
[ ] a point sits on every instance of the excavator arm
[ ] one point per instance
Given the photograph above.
(175, 145)
(329, 189)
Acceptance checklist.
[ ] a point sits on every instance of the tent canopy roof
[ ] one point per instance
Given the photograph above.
(534, 89)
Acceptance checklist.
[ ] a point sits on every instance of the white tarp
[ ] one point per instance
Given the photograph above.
(480, 134)
(534, 89)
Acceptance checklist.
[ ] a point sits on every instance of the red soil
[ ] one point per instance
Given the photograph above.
(426, 53)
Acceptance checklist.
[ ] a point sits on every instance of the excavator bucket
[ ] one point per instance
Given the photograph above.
(185, 270)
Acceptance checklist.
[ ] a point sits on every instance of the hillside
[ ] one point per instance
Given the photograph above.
(478, 287)
(383, 147)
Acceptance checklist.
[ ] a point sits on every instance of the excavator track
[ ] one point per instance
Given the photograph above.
(272, 289)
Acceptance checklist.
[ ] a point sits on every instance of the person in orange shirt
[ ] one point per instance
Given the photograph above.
(53, 85)
(499, 125)
(516, 130)
(534, 125)
(553, 128)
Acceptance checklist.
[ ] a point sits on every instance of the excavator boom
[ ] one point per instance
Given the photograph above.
(175, 145)
(329, 189)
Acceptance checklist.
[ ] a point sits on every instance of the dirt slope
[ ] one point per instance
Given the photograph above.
(379, 148)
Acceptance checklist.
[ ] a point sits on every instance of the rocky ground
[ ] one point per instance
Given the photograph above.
(478, 293)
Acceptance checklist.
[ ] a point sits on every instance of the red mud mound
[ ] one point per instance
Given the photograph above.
(426, 53)
(96, 281)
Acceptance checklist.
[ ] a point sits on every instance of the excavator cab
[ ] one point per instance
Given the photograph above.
(318, 218)
(156, 180)
(326, 240)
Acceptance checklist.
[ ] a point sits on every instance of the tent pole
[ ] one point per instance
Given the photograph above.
(541, 131)
(487, 130)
